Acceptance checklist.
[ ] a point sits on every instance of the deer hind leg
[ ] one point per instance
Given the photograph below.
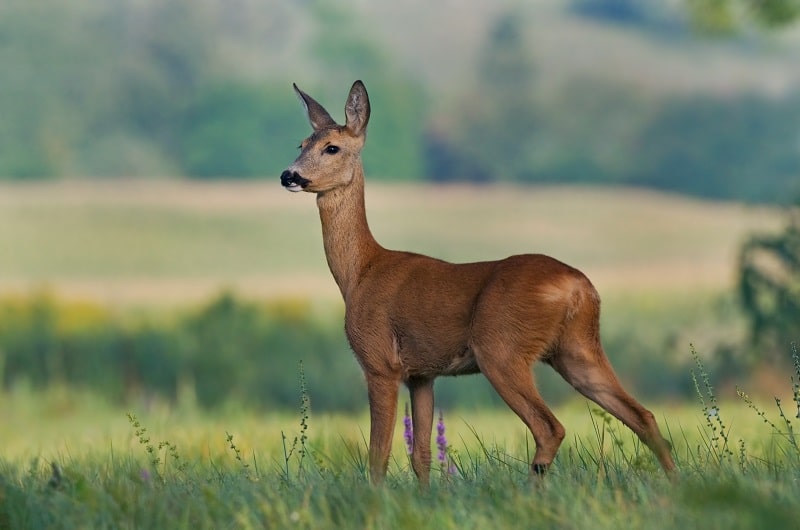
(382, 393)
(511, 377)
(421, 391)
(584, 365)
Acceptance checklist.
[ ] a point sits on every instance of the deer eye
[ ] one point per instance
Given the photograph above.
(332, 149)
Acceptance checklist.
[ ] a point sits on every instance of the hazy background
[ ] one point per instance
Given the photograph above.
(612, 91)
(141, 140)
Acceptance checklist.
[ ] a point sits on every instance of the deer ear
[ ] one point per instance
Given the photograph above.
(318, 117)
(357, 109)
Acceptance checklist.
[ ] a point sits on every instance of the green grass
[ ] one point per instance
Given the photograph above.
(171, 468)
(233, 471)
(660, 262)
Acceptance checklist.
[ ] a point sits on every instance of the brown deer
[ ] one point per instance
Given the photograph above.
(410, 318)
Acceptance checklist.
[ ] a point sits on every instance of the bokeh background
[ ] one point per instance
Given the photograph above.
(148, 254)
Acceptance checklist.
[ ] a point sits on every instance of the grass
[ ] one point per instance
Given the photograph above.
(608, 487)
(169, 242)
(167, 468)
(659, 261)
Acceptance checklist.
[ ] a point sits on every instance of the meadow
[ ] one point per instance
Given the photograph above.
(72, 462)
(663, 264)
(168, 242)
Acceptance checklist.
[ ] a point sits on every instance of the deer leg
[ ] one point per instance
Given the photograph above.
(421, 391)
(382, 392)
(588, 370)
(513, 381)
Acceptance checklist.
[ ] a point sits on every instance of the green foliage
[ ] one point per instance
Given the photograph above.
(170, 450)
(228, 351)
(395, 145)
(139, 88)
(235, 352)
(494, 128)
(199, 88)
(769, 287)
(728, 16)
(343, 49)
(239, 130)
(743, 147)
(713, 16)
(774, 13)
(96, 91)
(716, 434)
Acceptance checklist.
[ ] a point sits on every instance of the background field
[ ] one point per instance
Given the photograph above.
(664, 265)
(158, 242)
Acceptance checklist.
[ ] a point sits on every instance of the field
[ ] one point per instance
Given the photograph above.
(167, 468)
(662, 264)
(170, 242)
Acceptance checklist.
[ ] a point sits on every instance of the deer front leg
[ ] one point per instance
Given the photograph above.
(421, 391)
(382, 392)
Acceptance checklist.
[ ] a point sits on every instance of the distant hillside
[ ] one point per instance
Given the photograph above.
(544, 91)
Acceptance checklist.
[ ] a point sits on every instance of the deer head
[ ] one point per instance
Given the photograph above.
(328, 157)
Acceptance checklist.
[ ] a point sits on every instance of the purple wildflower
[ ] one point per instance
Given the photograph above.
(408, 433)
(441, 444)
(441, 440)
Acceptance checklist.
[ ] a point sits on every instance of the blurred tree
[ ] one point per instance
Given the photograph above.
(165, 59)
(343, 51)
(743, 147)
(129, 88)
(655, 16)
(238, 130)
(769, 285)
(95, 89)
(588, 131)
(506, 133)
(396, 127)
(727, 16)
(492, 133)
(769, 264)
(40, 94)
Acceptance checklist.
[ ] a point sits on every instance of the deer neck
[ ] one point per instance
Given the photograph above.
(349, 244)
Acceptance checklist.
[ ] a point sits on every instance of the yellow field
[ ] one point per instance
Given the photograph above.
(172, 242)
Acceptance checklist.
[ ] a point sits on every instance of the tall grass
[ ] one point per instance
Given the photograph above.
(732, 475)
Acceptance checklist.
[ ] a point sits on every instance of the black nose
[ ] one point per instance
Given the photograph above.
(290, 178)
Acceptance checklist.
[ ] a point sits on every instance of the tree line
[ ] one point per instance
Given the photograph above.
(139, 88)
(231, 351)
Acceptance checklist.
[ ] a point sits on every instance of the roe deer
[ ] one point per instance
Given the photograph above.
(411, 318)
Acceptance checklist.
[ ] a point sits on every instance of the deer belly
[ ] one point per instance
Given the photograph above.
(463, 364)
(423, 358)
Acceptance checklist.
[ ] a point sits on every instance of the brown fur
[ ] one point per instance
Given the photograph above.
(411, 318)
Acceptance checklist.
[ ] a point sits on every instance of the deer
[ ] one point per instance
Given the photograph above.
(410, 318)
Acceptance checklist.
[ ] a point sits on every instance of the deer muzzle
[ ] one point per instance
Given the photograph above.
(292, 181)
